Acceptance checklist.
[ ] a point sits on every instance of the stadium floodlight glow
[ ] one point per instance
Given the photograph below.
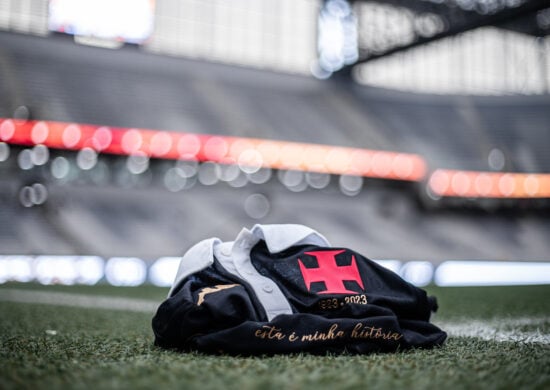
(492, 273)
(116, 20)
(55, 269)
(292, 156)
(131, 141)
(125, 271)
(51, 269)
(252, 154)
(337, 43)
(474, 184)
(102, 138)
(402, 166)
(7, 130)
(189, 146)
(419, 273)
(71, 135)
(16, 269)
(40, 132)
(270, 151)
(250, 161)
(161, 143)
(163, 270)
(382, 164)
(90, 269)
(216, 148)
(392, 265)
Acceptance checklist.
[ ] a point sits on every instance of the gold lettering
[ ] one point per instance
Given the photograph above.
(331, 334)
(307, 337)
(360, 331)
(270, 333)
(356, 329)
(334, 333)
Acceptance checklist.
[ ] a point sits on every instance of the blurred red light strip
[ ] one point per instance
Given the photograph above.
(218, 149)
(470, 184)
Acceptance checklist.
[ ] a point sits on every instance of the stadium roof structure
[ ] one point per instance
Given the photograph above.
(447, 18)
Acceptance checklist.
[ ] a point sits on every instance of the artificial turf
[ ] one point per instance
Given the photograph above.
(55, 347)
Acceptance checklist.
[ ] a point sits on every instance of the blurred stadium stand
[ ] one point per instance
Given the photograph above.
(58, 80)
(117, 213)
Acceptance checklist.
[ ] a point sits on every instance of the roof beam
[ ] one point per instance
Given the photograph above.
(460, 21)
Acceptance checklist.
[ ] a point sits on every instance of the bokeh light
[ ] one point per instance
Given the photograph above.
(131, 141)
(102, 138)
(4, 151)
(7, 130)
(40, 132)
(350, 185)
(40, 155)
(90, 269)
(125, 271)
(86, 159)
(257, 206)
(55, 270)
(24, 159)
(137, 163)
(208, 173)
(163, 271)
(71, 136)
(60, 167)
(419, 273)
(16, 269)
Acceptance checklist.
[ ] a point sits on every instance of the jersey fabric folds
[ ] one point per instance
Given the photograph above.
(284, 289)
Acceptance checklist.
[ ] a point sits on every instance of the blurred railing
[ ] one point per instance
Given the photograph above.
(252, 154)
(133, 271)
(249, 153)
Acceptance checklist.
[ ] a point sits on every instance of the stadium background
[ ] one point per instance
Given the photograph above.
(415, 132)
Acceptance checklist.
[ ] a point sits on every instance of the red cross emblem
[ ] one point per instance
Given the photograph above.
(330, 273)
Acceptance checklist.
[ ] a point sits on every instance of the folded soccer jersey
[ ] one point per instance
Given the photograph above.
(284, 289)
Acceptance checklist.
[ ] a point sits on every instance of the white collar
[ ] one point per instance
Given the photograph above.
(277, 237)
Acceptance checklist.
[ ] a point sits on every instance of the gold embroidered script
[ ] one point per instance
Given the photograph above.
(359, 331)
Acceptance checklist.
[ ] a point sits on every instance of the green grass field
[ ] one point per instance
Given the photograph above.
(53, 346)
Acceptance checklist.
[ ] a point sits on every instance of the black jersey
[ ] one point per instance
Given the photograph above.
(284, 289)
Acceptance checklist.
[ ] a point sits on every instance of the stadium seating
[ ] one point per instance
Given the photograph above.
(58, 80)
